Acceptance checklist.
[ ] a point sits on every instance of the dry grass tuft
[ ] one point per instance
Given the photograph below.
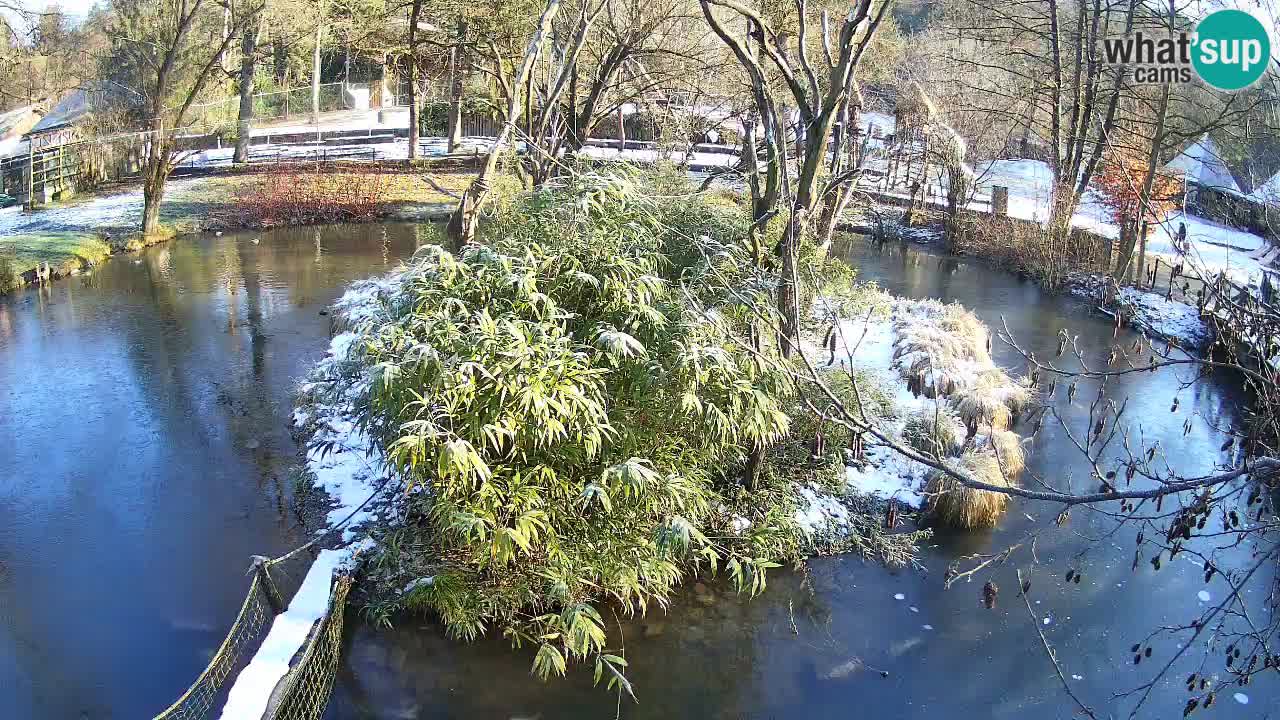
(956, 505)
(993, 400)
(944, 351)
(938, 434)
(939, 347)
(1026, 247)
(1007, 448)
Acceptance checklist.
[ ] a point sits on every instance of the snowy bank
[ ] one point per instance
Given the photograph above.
(348, 466)
(1149, 312)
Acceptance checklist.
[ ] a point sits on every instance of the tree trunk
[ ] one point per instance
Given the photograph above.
(248, 66)
(755, 462)
(1128, 242)
(315, 76)
(463, 222)
(1142, 253)
(456, 86)
(153, 192)
(280, 61)
(788, 285)
(414, 12)
(152, 195)
(806, 186)
(155, 173)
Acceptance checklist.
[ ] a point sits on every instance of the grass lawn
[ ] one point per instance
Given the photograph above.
(69, 235)
(63, 251)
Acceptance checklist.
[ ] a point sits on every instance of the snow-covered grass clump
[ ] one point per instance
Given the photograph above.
(946, 399)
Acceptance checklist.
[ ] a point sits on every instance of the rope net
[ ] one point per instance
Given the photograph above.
(199, 699)
(304, 691)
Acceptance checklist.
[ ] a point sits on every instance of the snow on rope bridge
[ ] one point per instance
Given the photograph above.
(305, 687)
(290, 676)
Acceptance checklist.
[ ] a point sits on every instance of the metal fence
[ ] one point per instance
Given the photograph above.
(282, 104)
(43, 174)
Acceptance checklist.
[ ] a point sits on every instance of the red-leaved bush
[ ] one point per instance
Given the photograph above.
(298, 196)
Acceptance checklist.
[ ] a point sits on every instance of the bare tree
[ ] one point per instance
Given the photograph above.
(462, 224)
(161, 55)
(248, 68)
(818, 102)
(411, 62)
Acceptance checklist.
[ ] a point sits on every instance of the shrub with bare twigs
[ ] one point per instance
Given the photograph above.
(1031, 250)
(310, 196)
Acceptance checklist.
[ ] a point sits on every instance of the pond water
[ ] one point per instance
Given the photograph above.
(787, 652)
(144, 423)
(145, 455)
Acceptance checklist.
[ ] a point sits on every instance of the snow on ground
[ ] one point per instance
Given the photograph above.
(940, 346)
(348, 467)
(699, 159)
(1211, 248)
(886, 474)
(1148, 312)
(820, 510)
(117, 211)
(1030, 184)
(1168, 319)
(340, 121)
(368, 152)
(868, 346)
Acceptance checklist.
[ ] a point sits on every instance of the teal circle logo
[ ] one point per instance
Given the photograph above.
(1232, 49)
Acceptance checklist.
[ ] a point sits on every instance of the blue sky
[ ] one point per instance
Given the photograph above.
(78, 8)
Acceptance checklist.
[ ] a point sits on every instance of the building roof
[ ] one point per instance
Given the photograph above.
(70, 109)
(1268, 192)
(1202, 164)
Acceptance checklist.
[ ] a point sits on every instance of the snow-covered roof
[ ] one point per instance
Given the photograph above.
(12, 147)
(11, 120)
(1268, 192)
(69, 109)
(1202, 164)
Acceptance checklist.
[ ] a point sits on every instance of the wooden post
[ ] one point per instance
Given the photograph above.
(31, 175)
(274, 600)
(622, 130)
(999, 200)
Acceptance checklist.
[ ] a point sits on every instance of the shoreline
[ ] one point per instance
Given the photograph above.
(1138, 308)
(197, 201)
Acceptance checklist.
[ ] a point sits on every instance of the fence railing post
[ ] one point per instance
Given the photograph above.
(31, 175)
(274, 599)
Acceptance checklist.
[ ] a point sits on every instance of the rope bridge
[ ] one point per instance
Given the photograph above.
(304, 691)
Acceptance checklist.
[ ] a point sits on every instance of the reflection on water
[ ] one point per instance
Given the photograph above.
(146, 454)
(736, 658)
